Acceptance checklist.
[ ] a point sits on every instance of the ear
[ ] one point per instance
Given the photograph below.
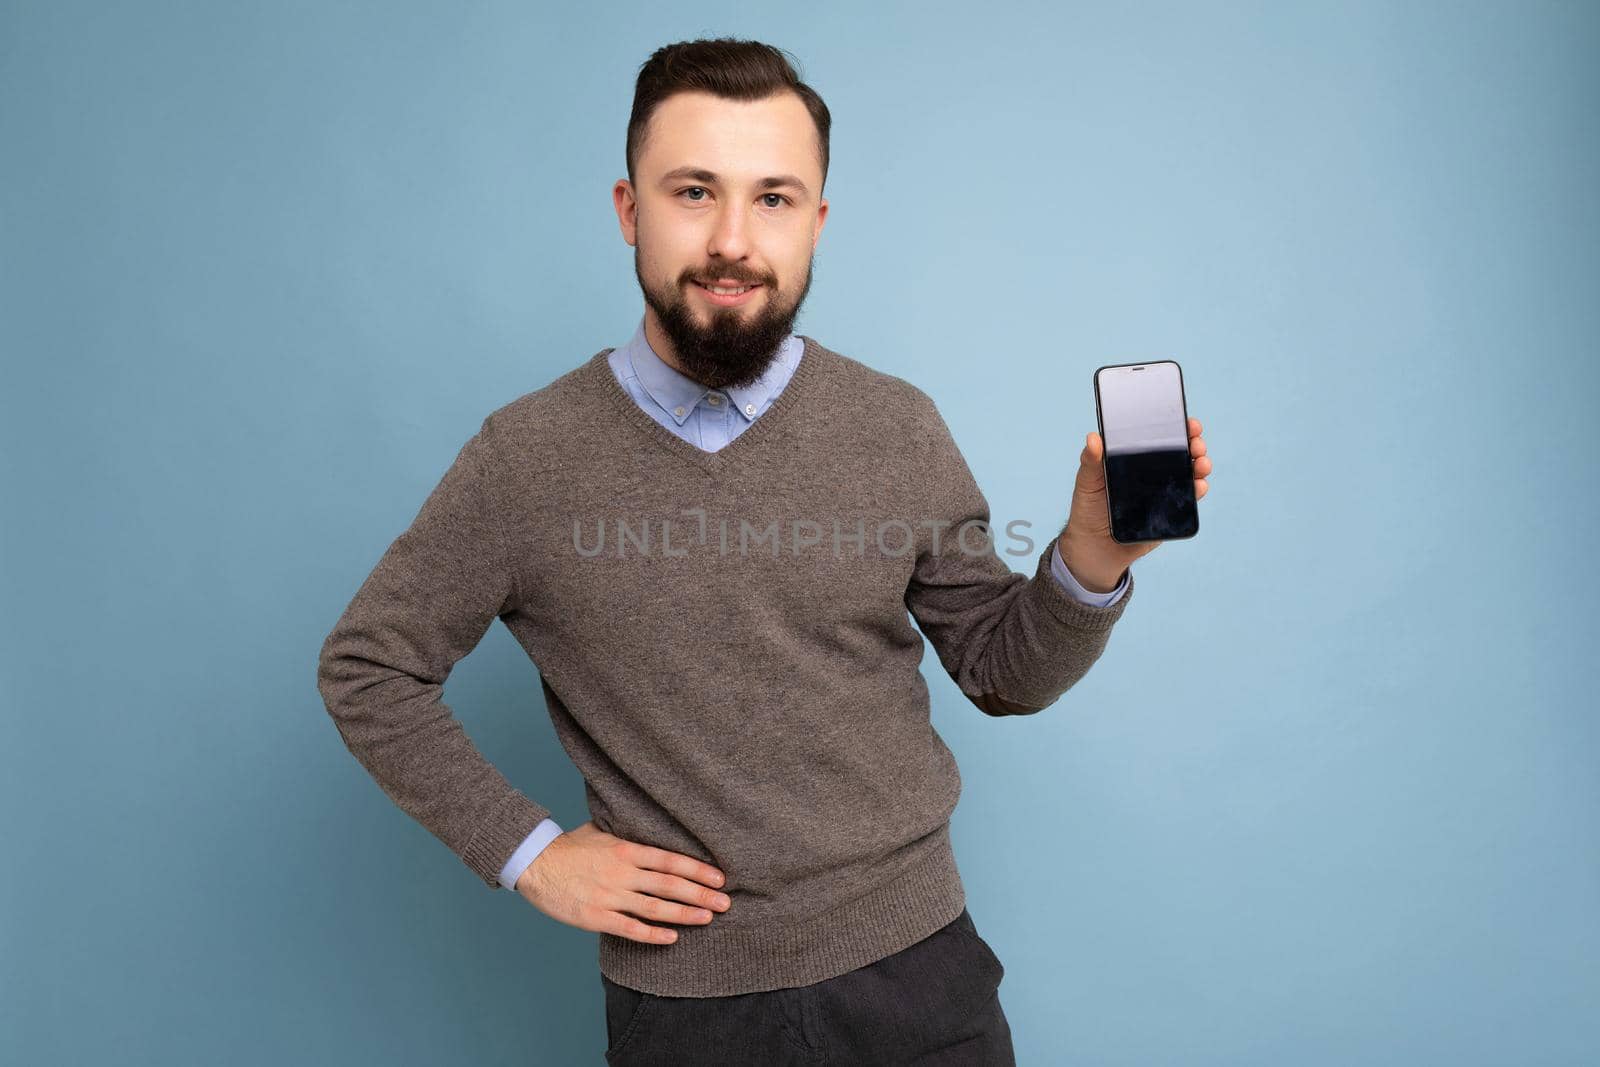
(627, 206)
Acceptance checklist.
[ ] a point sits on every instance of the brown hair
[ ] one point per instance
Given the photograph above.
(727, 67)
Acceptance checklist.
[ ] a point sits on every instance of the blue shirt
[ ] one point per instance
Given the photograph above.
(709, 419)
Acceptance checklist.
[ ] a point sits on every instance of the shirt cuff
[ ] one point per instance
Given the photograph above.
(1058, 567)
(546, 832)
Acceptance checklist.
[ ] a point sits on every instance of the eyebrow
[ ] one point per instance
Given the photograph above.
(700, 174)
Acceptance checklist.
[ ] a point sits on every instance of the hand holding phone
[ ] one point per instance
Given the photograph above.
(1138, 478)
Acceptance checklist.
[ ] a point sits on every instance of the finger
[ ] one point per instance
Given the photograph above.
(646, 906)
(1199, 488)
(1202, 466)
(659, 859)
(1090, 478)
(1194, 427)
(1197, 446)
(623, 925)
(671, 887)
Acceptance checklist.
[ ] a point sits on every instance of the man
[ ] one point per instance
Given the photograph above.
(708, 542)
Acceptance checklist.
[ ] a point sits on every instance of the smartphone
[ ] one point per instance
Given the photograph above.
(1144, 426)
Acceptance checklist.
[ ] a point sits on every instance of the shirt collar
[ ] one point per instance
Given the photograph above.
(672, 389)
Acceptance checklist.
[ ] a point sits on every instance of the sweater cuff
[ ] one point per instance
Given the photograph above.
(1069, 610)
(506, 827)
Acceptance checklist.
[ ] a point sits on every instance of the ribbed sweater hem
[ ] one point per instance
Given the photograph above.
(725, 958)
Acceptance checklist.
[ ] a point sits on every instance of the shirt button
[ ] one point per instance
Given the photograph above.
(749, 409)
(678, 410)
(714, 398)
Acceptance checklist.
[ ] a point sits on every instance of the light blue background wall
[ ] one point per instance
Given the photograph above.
(1329, 798)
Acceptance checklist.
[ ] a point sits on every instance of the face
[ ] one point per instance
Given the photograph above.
(728, 195)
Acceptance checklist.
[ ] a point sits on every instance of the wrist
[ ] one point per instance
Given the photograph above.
(1094, 580)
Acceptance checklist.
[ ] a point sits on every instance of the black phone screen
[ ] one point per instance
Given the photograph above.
(1144, 425)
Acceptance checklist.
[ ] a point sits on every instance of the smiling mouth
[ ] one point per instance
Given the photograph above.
(722, 291)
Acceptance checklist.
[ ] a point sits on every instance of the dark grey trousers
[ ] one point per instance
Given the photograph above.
(934, 1003)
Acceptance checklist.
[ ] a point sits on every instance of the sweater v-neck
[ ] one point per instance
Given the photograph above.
(794, 393)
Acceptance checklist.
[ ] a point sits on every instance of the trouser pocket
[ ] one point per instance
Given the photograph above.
(625, 1009)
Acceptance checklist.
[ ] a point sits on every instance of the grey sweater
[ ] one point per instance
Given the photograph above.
(641, 575)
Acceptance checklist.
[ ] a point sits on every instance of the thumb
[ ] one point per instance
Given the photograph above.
(1091, 469)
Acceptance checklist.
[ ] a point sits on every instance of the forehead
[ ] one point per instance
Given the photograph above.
(744, 139)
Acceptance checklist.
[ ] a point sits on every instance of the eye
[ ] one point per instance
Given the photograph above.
(701, 189)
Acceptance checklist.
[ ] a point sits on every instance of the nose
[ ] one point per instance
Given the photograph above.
(729, 239)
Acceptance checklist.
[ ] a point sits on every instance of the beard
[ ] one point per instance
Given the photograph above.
(737, 345)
